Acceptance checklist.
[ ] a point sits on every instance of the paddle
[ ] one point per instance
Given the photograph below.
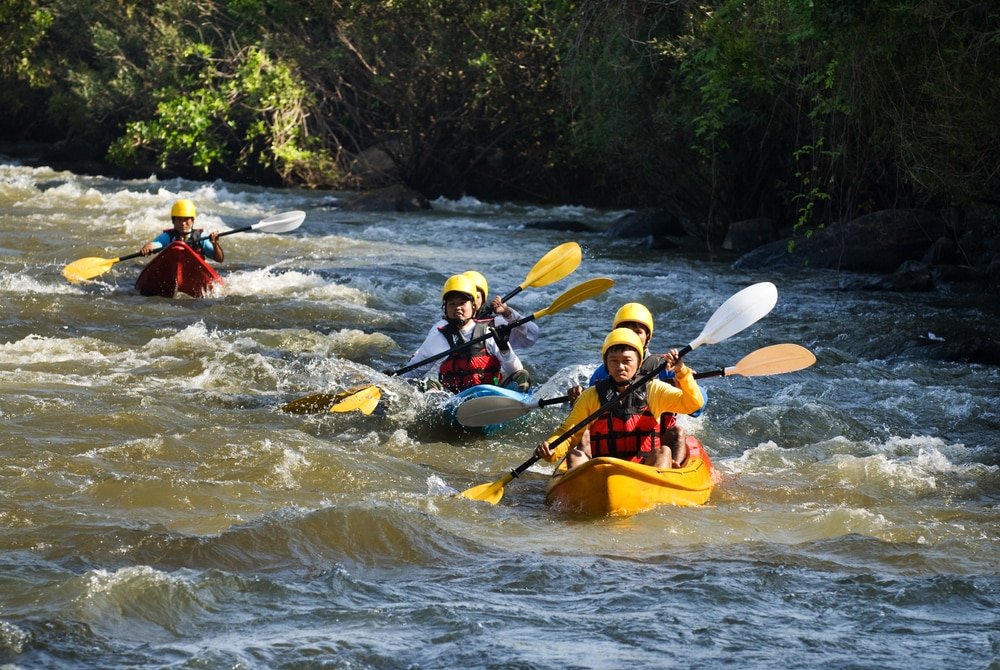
(558, 263)
(568, 298)
(739, 312)
(92, 266)
(363, 398)
(773, 360)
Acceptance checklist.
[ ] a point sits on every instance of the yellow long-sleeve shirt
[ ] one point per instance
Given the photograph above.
(662, 397)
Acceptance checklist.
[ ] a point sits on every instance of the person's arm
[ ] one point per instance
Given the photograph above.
(158, 242)
(684, 398)
(509, 360)
(524, 335)
(588, 403)
(212, 249)
(668, 376)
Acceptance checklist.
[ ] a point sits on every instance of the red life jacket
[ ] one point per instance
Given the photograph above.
(470, 365)
(628, 430)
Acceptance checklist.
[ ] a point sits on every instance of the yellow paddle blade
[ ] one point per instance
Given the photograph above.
(87, 268)
(553, 266)
(317, 402)
(491, 493)
(575, 294)
(363, 399)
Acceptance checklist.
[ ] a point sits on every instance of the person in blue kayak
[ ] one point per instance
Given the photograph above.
(491, 361)
(500, 313)
(637, 318)
(630, 430)
(182, 216)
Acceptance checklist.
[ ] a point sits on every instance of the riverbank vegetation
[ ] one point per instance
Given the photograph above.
(804, 112)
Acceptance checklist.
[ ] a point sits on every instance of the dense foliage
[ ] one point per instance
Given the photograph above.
(806, 111)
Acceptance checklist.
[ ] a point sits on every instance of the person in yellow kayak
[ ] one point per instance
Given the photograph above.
(631, 429)
(500, 313)
(491, 361)
(182, 216)
(637, 318)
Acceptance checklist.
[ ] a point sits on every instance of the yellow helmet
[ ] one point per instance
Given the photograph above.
(634, 312)
(183, 208)
(622, 336)
(459, 284)
(480, 281)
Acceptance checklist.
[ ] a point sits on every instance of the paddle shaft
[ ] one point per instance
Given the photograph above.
(558, 400)
(236, 230)
(510, 295)
(572, 296)
(136, 255)
(158, 250)
(463, 345)
(222, 234)
(641, 381)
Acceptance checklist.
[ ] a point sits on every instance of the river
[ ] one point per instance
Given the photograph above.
(158, 510)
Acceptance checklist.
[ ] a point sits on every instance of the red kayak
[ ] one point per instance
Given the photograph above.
(177, 268)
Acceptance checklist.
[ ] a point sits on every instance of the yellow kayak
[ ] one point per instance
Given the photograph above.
(615, 487)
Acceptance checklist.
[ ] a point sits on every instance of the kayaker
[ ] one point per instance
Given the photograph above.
(637, 318)
(631, 429)
(182, 216)
(492, 361)
(522, 337)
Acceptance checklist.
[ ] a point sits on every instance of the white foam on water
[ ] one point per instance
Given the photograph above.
(193, 336)
(766, 457)
(304, 285)
(40, 349)
(13, 640)
(133, 450)
(20, 284)
(289, 466)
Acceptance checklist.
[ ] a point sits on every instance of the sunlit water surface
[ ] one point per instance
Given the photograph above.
(158, 510)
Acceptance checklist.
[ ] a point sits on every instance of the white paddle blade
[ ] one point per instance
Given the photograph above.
(489, 410)
(280, 223)
(741, 311)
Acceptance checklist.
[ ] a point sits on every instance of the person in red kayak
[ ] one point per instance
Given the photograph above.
(182, 216)
(631, 429)
(491, 361)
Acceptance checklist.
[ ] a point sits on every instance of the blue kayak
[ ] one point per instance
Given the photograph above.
(450, 408)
